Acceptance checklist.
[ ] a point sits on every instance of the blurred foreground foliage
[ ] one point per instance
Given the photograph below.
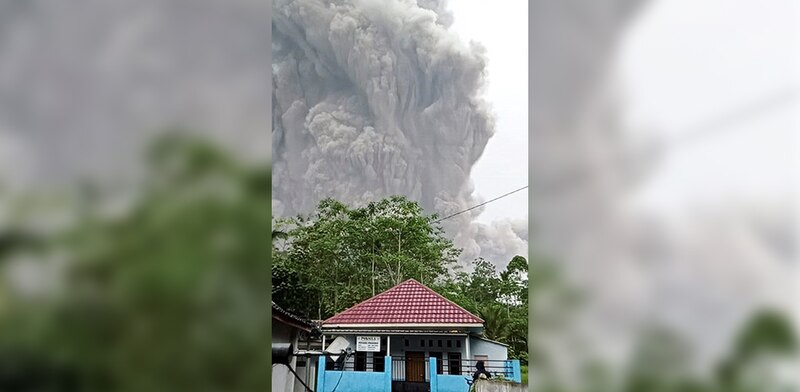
(167, 293)
(762, 357)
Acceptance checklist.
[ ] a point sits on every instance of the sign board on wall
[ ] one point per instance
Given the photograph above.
(368, 343)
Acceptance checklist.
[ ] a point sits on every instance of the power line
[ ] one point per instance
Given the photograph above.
(723, 122)
(295, 375)
(481, 204)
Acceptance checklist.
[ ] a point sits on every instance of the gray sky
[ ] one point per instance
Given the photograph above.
(682, 63)
(504, 164)
(687, 62)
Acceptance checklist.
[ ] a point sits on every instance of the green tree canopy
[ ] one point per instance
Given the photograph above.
(338, 255)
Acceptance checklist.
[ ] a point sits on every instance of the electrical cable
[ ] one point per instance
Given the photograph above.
(298, 379)
(295, 375)
(737, 115)
(342, 373)
(479, 205)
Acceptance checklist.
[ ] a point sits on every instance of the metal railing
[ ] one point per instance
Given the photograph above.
(497, 368)
(417, 369)
(349, 364)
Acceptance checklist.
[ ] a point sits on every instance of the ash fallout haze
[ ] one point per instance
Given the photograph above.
(375, 98)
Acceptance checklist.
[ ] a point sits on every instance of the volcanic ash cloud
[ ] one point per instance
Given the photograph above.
(376, 98)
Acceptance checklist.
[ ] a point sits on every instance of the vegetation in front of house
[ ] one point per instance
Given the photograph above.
(337, 256)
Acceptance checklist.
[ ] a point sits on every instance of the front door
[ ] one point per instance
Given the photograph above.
(415, 366)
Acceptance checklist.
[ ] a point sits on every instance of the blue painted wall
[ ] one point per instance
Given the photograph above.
(354, 381)
(351, 381)
(382, 381)
(448, 383)
(516, 371)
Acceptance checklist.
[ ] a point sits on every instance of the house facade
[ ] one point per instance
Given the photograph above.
(407, 339)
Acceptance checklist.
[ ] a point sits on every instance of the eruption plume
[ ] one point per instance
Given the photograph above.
(378, 98)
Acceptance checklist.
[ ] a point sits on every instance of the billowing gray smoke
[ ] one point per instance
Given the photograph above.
(85, 84)
(371, 98)
(377, 98)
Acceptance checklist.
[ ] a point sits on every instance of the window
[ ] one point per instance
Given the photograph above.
(439, 363)
(406, 342)
(422, 343)
(378, 361)
(458, 343)
(361, 361)
(449, 343)
(454, 363)
(430, 343)
(439, 343)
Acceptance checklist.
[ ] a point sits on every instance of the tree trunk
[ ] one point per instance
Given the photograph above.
(399, 276)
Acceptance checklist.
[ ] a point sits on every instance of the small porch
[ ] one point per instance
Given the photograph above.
(454, 353)
(408, 339)
(411, 374)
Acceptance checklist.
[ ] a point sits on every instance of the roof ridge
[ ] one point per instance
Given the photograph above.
(374, 296)
(391, 294)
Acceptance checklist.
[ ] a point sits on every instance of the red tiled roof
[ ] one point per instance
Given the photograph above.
(409, 302)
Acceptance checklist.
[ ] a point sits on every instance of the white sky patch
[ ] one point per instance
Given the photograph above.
(503, 31)
(686, 63)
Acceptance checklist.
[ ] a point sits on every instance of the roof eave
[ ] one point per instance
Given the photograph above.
(288, 318)
(327, 327)
(490, 341)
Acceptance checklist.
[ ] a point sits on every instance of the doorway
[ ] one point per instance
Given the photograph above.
(415, 366)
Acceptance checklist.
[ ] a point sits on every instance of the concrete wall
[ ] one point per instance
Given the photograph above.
(452, 383)
(349, 381)
(495, 351)
(353, 381)
(308, 373)
(494, 386)
(448, 383)
(282, 380)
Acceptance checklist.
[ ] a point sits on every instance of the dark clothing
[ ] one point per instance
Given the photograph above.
(481, 370)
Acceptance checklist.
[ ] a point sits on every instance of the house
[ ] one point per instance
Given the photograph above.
(408, 339)
(291, 329)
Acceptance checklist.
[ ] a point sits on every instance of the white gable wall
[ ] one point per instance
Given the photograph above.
(494, 351)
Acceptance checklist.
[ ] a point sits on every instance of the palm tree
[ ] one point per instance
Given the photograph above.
(497, 323)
